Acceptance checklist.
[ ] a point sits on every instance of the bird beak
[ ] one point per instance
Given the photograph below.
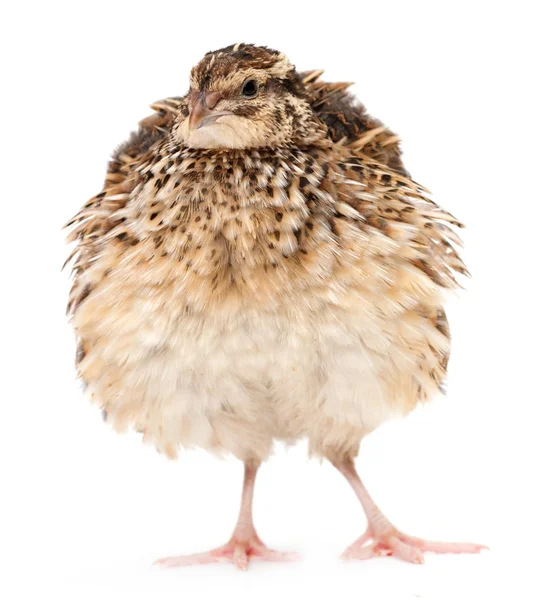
(201, 108)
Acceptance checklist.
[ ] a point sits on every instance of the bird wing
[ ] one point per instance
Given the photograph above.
(349, 123)
(406, 229)
(401, 209)
(97, 217)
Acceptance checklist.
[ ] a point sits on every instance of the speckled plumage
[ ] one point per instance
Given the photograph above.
(227, 297)
(260, 266)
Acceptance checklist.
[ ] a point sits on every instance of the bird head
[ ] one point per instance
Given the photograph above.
(244, 97)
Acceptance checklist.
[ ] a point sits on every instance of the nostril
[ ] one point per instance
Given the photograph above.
(211, 99)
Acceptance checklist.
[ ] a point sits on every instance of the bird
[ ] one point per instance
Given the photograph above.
(260, 267)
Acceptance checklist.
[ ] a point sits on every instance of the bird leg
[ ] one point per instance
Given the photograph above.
(382, 539)
(244, 543)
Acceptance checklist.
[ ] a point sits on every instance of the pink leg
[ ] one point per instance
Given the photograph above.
(244, 543)
(382, 539)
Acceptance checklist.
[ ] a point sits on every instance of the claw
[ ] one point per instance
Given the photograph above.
(405, 547)
(239, 553)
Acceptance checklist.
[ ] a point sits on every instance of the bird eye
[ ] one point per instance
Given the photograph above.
(250, 88)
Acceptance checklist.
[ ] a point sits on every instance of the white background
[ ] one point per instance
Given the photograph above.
(85, 512)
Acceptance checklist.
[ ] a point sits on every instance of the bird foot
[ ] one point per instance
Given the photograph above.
(237, 551)
(391, 542)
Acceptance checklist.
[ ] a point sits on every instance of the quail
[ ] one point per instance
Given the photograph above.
(260, 267)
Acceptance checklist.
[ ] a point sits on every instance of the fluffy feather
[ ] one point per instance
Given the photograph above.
(284, 281)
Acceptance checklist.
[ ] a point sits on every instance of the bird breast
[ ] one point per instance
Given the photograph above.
(237, 300)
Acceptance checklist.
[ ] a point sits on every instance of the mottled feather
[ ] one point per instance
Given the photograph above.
(302, 277)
